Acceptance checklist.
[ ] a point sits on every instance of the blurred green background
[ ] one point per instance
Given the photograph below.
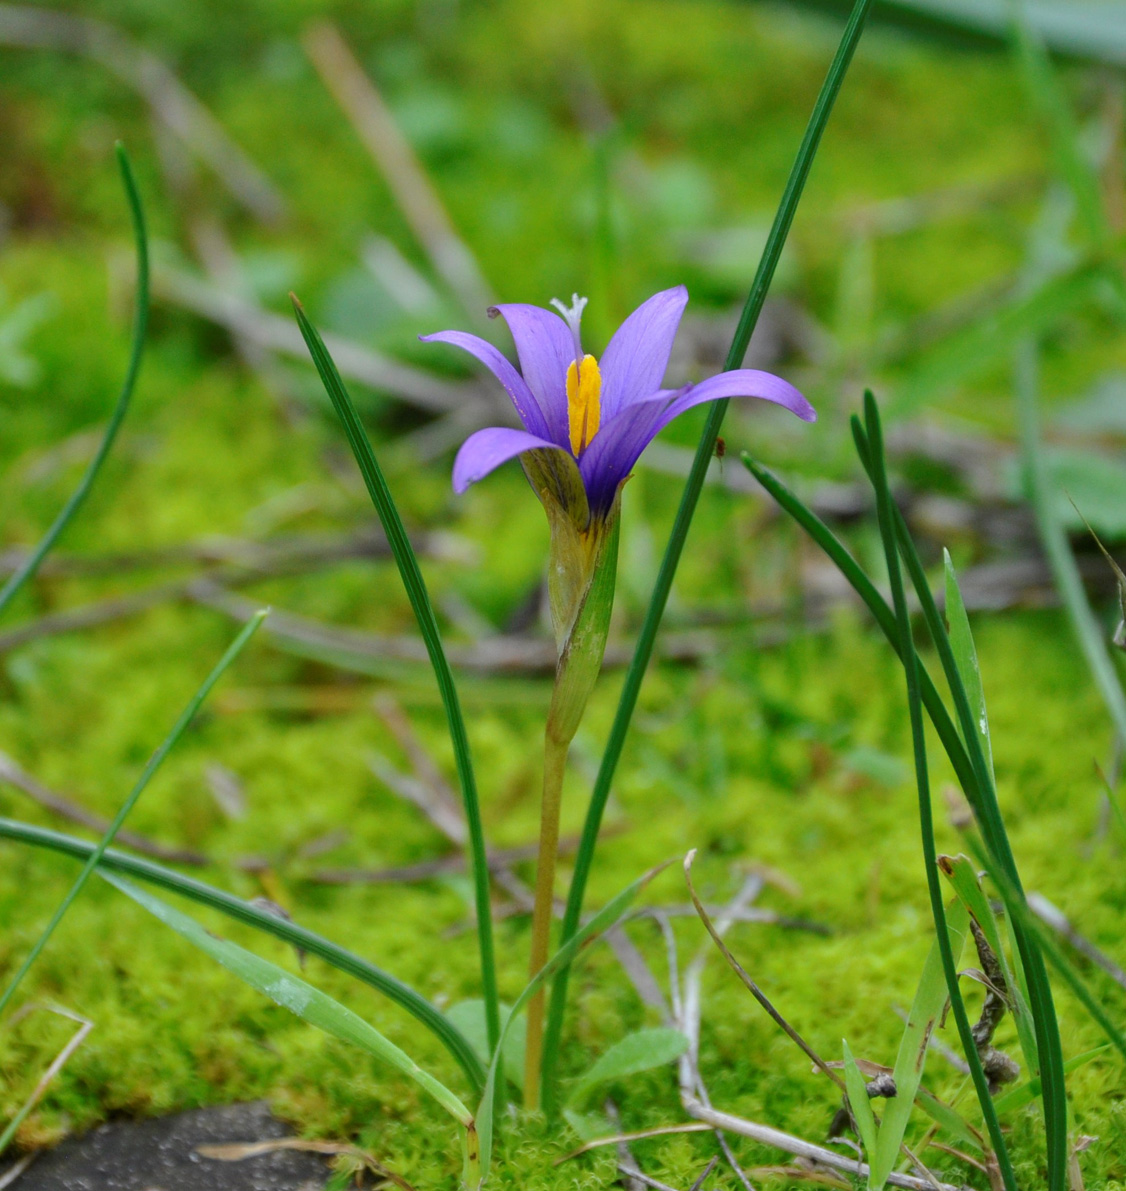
(611, 148)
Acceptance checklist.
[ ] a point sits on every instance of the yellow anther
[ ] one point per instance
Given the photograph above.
(584, 391)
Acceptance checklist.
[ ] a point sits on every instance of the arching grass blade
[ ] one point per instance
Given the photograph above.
(428, 625)
(140, 326)
(242, 911)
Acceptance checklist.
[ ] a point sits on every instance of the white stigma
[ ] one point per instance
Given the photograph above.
(573, 317)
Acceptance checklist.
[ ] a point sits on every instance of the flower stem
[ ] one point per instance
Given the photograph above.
(554, 764)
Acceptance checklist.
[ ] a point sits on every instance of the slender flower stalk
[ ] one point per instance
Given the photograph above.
(586, 422)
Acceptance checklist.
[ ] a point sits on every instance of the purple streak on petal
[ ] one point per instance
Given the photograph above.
(526, 405)
(486, 450)
(543, 344)
(634, 362)
(617, 445)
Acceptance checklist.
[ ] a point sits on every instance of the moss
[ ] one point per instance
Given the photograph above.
(790, 755)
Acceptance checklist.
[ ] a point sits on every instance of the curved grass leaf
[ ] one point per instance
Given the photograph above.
(241, 911)
(965, 655)
(298, 996)
(871, 437)
(627, 701)
(155, 761)
(140, 327)
(428, 625)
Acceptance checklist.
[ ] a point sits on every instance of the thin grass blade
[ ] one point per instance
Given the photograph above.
(428, 625)
(241, 911)
(603, 920)
(776, 240)
(862, 1113)
(155, 761)
(926, 1011)
(911, 667)
(965, 655)
(140, 328)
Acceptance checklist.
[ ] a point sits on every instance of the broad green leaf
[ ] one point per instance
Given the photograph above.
(469, 1018)
(630, 1055)
(860, 1104)
(948, 1118)
(296, 995)
(965, 656)
(963, 877)
(603, 920)
(926, 1010)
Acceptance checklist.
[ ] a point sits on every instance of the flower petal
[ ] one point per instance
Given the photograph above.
(634, 362)
(486, 450)
(545, 350)
(740, 382)
(616, 447)
(522, 397)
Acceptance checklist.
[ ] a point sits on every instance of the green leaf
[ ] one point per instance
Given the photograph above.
(861, 1106)
(627, 700)
(469, 1018)
(428, 625)
(965, 655)
(603, 920)
(947, 1118)
(962, 876)
(140, 327)
(630, 1055)
(926, 1011)
(296, 995)
(290, 932)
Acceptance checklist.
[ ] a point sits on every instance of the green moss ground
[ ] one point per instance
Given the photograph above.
(792, 755)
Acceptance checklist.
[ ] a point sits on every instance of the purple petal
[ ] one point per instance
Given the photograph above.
(486, 450)
(545, 350)
(617, 445)
(526, 405)
(740, 382)
(634, 362)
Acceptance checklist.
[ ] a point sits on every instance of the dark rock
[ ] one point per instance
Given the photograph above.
(159, 1155)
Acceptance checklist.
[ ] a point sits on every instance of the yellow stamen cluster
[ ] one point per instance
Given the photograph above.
(584, 392)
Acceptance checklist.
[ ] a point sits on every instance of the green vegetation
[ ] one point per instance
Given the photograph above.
(612, 148)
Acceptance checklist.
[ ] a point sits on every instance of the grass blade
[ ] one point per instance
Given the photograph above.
(965, 656)
(926, 1010)
(603, 920)
(1026, 1092)
(428, 625)
(862, 1113)
(155, 761)
(140, 327)
(241, 911)
(687, 508)
(1053, 538)
(910, 661)
(293, 993)
(960, 872)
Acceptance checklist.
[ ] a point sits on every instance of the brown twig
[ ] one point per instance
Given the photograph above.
(751, 986)
(1059, 922)
(66, 808)
(171, 102)
(240, 1151)
(360, 100)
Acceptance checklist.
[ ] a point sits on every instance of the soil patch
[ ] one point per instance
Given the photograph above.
(159, 1155)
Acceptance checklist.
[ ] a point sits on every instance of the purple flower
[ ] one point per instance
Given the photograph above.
(598, 415)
